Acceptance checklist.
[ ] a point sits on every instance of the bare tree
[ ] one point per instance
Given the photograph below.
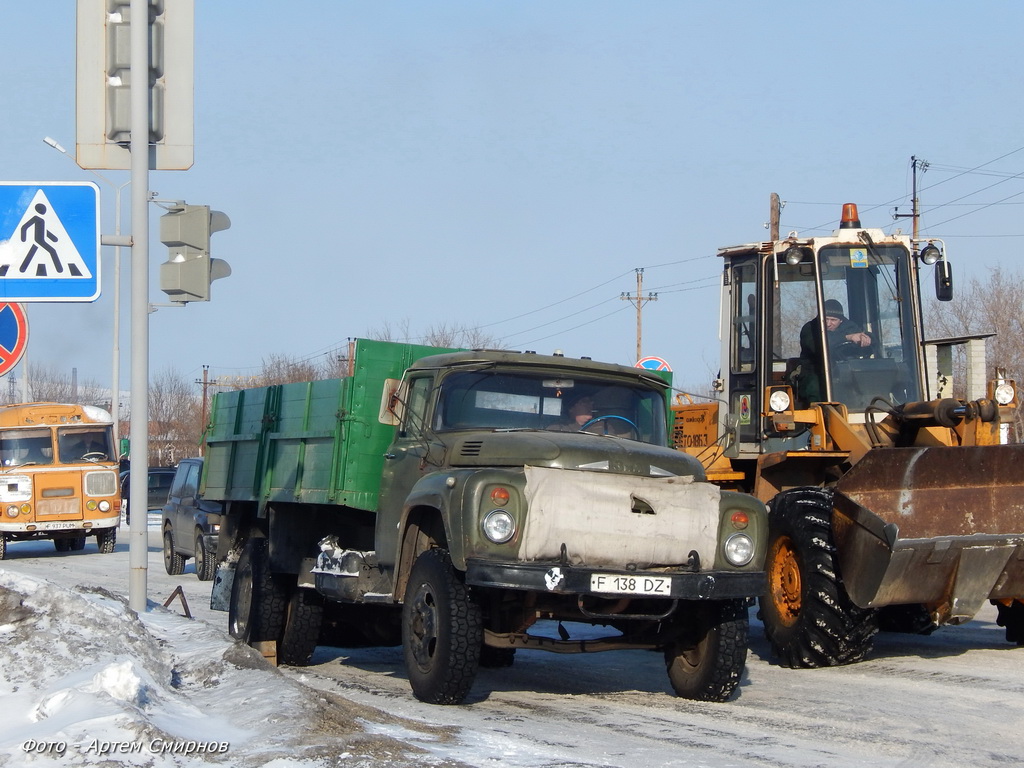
(447, 335)
(48, 384)
(995, 305)
(175, 419)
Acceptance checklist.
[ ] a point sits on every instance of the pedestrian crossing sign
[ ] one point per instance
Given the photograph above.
(49, 241)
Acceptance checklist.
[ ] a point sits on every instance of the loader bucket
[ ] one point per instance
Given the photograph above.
(943, 526)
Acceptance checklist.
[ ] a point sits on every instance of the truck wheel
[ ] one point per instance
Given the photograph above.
(77, 543)
(62, 545)
(301, 635)
(706, 662)
(808, 617)
(205, 565)
(174, 563)
(442, 631)
(3, 546)
(106, 538)
(1010, 616)
(258, 601)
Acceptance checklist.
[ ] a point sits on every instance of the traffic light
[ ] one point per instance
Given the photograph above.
(189, 270)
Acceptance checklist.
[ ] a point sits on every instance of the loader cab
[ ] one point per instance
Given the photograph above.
(779, 297)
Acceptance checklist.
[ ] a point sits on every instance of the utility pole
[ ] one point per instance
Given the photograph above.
(915, 213)
(638, 301)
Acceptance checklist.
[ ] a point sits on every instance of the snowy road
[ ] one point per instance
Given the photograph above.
(950, 699)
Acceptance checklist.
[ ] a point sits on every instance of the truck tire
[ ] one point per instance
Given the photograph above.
(106, 538)
(706, 662)
(301, 635)
(205, 565)
(77, 543)
(1012, 617)
(174, 563)
(258, 601)
(442, 631)
(3, 546)
(808, 617)
(62, 545)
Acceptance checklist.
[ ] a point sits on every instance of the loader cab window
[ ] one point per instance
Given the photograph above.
(868, 288)
(744, 318)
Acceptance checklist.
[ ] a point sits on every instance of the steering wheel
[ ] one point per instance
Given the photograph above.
(849, 350)
(632, 426)
(93, 456)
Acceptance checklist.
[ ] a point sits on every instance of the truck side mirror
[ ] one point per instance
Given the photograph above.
(943, 280)
(392, 405)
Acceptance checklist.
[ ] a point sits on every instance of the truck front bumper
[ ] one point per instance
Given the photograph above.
(574, 580)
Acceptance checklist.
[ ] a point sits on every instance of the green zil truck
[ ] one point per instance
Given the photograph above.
(467, 504)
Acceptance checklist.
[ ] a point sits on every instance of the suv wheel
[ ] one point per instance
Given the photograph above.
(204, 562)
(174, 563)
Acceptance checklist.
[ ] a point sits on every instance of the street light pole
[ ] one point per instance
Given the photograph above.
(115, 387)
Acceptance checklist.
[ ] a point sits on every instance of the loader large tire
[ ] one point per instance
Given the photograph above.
(808, 617)
(1012, 617)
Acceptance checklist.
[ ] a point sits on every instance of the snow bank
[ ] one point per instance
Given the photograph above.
(87, 681)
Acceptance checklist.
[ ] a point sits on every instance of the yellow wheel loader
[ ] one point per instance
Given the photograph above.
(891, 503)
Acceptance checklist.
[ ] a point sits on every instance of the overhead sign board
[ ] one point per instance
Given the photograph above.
(13, 336)
(653, 364)
(49, 241)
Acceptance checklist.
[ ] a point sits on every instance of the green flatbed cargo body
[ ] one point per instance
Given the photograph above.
(317, 442)
(451, 500)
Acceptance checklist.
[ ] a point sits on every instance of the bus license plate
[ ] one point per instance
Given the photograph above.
(660, 586)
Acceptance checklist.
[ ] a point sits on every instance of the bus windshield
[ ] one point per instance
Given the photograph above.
(19, 447)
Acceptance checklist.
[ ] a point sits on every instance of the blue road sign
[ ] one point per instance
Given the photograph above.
(49, 241)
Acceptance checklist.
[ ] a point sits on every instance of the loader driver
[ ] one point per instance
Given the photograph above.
(845, 339)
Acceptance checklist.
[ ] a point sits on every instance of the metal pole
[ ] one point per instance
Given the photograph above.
(138, 550)
(115, 352)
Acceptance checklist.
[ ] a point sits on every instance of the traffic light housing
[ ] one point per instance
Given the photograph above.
(189, 269)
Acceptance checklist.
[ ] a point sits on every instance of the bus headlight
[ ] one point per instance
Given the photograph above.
(13, 511)
(739, 549)
(499, 526)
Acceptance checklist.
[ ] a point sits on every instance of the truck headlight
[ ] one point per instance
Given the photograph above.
(739, 549)
(499, 526)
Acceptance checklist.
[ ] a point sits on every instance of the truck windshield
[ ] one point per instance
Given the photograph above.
(517, 400)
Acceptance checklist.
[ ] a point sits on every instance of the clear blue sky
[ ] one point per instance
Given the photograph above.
(509, 164)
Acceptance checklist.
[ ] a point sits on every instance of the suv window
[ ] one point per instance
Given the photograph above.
(186, 480)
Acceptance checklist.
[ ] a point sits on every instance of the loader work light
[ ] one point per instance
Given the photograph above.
(930, 254)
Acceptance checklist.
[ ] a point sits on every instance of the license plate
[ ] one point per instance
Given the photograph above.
(68, 526)
(660, 586)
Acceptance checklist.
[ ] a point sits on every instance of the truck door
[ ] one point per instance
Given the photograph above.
(404, 465)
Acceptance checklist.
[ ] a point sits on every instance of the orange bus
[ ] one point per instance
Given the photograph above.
(58, 476)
